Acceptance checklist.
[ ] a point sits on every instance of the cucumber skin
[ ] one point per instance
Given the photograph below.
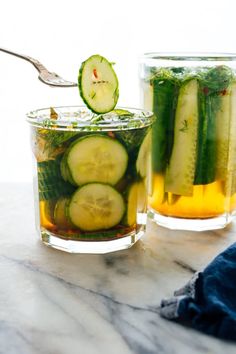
(213, 85)
(223, 121)
(230, 183)
(165, 93)
(206, 145)
(50, 183)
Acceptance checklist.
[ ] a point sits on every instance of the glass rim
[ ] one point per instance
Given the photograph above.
(191, 56)
(81, 118)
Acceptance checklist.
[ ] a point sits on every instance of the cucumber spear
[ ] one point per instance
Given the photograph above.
(165, 91)
(213, 85)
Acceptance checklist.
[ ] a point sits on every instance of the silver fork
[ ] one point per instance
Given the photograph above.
(46, 76)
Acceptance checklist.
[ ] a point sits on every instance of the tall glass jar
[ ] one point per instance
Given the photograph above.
(193, 139)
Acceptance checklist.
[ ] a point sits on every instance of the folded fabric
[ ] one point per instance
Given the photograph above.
(208, 301)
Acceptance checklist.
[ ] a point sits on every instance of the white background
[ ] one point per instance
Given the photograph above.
(61, 34)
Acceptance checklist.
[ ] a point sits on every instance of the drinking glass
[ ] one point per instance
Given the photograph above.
(91, 177)
(193, 139)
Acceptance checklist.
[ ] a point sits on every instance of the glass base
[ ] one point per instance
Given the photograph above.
(97, 247)
(174, 223)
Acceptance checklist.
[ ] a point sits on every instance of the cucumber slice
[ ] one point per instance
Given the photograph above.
(96, 206)
(180, 172)
(131, 215)
(48, 208)
(142, 197)
(98, 84)
(60, 217)
(165, 93)
(144, 155)
(95, 158)
(65, 171)
(136, 197)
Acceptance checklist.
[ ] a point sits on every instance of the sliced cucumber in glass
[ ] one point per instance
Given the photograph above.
(95, 158)
(60, 218)
(144, 156)
(96, 206)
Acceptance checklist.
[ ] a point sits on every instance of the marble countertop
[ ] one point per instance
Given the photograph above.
(56, 303)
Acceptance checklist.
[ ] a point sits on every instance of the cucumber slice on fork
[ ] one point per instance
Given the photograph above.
(98, 84)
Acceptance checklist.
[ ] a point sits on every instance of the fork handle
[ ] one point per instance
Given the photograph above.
(40, 67)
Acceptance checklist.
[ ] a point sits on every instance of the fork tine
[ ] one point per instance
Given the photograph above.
(55, 80)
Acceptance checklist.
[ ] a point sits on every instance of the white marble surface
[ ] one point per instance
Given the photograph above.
(57, 303)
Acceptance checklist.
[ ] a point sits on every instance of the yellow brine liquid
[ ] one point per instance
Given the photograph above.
(207, 201)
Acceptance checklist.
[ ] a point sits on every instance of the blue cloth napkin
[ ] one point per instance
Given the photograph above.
(208, 301)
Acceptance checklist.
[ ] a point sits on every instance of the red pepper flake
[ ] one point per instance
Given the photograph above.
(111, 134)
(95, 73)
(205, 90)
(223, 92)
